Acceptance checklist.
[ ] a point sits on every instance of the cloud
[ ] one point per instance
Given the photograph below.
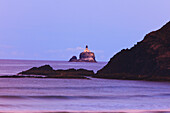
(16, 53)
(6, 46)
(2, 53)
(11, 54)
(75, 49)
(54, 51)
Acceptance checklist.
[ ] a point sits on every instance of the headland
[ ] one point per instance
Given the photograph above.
(147, 60)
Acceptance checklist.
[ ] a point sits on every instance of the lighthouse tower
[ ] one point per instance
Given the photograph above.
(86, 50)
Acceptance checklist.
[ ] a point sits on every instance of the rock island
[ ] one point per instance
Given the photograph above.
(86, 56)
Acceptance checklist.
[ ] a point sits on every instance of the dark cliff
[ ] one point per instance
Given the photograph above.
(148, 60)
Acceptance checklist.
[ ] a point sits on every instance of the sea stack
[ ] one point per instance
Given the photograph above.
(147, 60)
(86, 56)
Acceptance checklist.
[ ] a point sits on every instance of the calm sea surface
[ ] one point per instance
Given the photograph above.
(77, 94)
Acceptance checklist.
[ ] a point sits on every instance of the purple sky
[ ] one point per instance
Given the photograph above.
(59, 29)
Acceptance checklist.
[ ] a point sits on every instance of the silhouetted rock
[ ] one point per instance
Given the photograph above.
(43, 70)
(49, 72)
(73, 59)
(85, 56)
(148, 60)
(75, 72)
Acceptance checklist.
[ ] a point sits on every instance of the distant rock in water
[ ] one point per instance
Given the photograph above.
(73, 59)
(85, 56)
(43, 70)
(49, 72)
(148, 60)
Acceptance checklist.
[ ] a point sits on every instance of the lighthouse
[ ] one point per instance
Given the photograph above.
(85, 56)
(86, 50)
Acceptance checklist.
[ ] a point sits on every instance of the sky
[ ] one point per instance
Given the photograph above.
(60, 29)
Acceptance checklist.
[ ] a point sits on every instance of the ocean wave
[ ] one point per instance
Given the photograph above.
(82, 96)
(81, 87)
(72, 97)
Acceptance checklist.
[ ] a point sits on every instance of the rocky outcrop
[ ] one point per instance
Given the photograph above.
(73, 59)
(85, 56)
(49, 72)
(43, 70)
(148, 60)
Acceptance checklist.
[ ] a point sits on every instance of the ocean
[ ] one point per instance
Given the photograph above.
(39, 94)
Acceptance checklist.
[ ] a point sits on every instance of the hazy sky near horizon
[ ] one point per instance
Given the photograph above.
(59, 29)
